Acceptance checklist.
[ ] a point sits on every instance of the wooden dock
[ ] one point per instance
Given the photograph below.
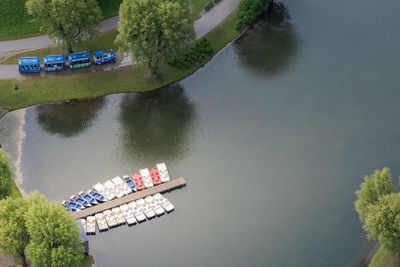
(168, 186)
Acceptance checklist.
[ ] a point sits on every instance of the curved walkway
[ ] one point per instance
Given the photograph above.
(208, 21)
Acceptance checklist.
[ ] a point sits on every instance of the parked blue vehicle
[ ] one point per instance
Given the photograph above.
(79, 60)
(29, 64)
(54, 63)
(102, 58)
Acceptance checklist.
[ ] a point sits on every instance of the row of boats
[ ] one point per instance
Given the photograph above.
(118, 187)
(131, 213)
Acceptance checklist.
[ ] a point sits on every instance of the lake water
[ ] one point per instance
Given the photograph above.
(273, 137)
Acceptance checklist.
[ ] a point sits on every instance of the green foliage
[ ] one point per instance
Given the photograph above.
(54, 235)
(14, 236)
(248, 11)
(197, 54)
(66, 20)
(385, 258)
(15, 21)
(376, 185)
(109, 8)
(154, 29)
(43, 231)
(208, 6)
(383, 221)
(5, 176)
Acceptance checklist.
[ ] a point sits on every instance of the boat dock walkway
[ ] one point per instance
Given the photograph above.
(91, 211)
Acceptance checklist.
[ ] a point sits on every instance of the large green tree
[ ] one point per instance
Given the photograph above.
(153, 29)
(374, 186)
(383, 222)
(66, 20)
(5, 176)
(14, 236)
(54, 235)
(249, 10)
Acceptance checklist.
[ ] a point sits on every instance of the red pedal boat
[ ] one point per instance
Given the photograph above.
(155, 176)
(137, 179)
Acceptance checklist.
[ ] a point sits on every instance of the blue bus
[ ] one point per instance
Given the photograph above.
(79, 60)
(29, 64)
(101, 58)
(54, 63)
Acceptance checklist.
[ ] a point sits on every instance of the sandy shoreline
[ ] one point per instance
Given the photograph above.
(12, 135)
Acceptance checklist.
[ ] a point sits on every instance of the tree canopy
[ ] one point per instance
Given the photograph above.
(54, 235)
(153, 29)
(5, 176)
(66, 20)
(14, 236)
(383, 221)
(42, 231)
(374, 186)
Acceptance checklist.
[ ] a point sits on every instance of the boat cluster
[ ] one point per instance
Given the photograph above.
(131, 213)
(118, 187)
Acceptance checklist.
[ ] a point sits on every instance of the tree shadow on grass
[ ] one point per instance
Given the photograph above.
(269, 47)
(68, 119)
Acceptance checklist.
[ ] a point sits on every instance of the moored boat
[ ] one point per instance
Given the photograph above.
(72, 205)
(162, 170)
(163, 202)
(88, 198)
(128, 214)
(90, 225)
(154, 205)
(120, 183)
(146, 209)
(110, 218)
(97, 196)
(101, 222)
(146, 177)
(137, 211)
(137, 179)
(155, 176)
(104, 191)
(130, 183)
(119, 216)
(80, 201)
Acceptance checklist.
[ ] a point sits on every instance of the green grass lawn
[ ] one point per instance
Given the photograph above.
(384, 258)
(15, 23)
(130, 79)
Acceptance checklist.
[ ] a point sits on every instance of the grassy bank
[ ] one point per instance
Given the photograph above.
(15, 23)
(384, 258)
(130, 79)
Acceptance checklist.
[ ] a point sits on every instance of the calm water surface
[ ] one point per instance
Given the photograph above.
(273, 137)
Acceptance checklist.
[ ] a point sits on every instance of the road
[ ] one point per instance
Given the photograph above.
(208, 21)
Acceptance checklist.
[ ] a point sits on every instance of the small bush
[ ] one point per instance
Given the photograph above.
(197, 54)
(209, 6)
(217, 1)
(248, 11)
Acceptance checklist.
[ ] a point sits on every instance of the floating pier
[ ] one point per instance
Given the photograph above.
(90, 211)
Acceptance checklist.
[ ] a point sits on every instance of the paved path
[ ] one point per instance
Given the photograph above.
(208, 21)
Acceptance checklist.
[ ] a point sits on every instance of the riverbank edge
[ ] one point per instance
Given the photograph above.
(185, 73)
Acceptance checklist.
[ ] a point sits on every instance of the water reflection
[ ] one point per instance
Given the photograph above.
(279, 41)
(68, 119)
(157, 126)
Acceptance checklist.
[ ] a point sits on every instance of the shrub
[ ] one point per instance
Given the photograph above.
(217, 1)
(195, 54)
(248, 11)
(209, 6)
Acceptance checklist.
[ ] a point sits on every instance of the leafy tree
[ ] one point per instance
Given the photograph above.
(383, 221)
(14, 236)
(5, 176)
(376, 185)
(153, 29)
(66, 20)
(248, 11)
(54, 235)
